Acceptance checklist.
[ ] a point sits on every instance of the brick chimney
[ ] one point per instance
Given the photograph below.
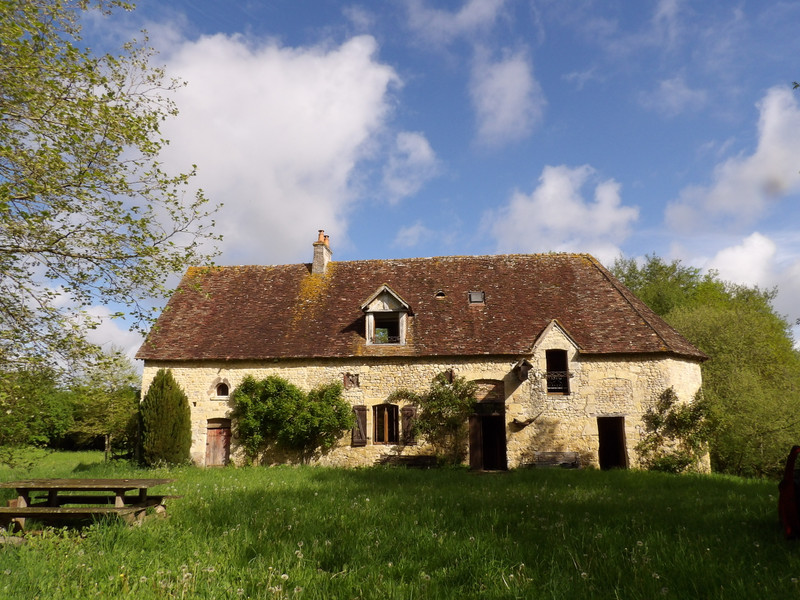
(322, 254)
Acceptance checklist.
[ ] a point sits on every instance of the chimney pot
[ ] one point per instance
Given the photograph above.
(321, 236)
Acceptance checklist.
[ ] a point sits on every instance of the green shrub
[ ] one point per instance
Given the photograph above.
(676, 434)
(443, 419)
(272, 411)
(166, 422)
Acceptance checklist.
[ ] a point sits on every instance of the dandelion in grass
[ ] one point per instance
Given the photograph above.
(284, 576)
(584, 575)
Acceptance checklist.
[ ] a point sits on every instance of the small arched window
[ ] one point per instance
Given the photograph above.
(223, 390)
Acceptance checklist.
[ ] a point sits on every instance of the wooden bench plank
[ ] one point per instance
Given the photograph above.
(130, 514)
(557, 459)
(46, 512)
(152, 499)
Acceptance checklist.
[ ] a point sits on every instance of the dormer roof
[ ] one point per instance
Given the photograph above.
(385, 299)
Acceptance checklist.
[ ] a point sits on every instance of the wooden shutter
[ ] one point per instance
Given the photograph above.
(359, 437)
(409, 414)
(475, 443)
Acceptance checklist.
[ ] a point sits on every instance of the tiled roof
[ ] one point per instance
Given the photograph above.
(258, 312)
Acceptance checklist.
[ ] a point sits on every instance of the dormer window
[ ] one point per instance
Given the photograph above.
(386, 317)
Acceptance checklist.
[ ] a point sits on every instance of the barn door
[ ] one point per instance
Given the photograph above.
(613, 453)
(218, 442)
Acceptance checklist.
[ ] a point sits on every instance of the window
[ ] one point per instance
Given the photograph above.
(350, 380)
(387, 328)
(359, 433)
(385, 422)
(477, 297)
(223, 390)
(386, 317)
(557, 372)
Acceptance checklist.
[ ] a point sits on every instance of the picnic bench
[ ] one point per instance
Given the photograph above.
(569, 460)
(47, 499)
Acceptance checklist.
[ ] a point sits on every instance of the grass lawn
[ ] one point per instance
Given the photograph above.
(394, 533)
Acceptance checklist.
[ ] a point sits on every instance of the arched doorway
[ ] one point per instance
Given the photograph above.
(218, 442)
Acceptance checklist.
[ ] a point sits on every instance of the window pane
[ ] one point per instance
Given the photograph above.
(387, 329)
(385, 420)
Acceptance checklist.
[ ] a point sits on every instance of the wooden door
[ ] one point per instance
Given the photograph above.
(218, 443)
(487, 438)
(475, 443)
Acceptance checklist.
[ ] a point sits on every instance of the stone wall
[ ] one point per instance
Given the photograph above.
(599, 386)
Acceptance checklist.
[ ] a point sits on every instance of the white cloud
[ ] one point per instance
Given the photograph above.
(508, 100)
(411, 163)
(666, 21)
(556, 217)
(673, 97)
(749, 263)
(441, 27)
(360, 17)
(744, 186)
(111, 334)
(412, 235)
(764, 262)
(277, 133)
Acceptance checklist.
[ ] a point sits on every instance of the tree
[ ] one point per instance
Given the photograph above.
(443, 416)
(34, 412)
(106, 404)
(166, 422)
(751, 383)
(273, 412)
(88, 216)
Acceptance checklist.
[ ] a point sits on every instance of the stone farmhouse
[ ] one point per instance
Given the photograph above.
(567, 360)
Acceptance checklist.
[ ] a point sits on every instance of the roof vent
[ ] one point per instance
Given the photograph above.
(477, 297)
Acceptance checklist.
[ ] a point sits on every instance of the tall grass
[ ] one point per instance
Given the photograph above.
(309, 532)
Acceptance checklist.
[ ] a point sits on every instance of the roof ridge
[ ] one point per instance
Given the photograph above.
(421, 258)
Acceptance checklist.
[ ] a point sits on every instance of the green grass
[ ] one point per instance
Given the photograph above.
(393, 533)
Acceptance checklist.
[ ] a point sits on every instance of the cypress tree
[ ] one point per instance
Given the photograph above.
(166, 422)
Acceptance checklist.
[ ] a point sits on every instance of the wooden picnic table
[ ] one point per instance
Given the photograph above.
(54, 494)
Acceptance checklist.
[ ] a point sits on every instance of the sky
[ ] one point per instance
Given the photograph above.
(408, 128)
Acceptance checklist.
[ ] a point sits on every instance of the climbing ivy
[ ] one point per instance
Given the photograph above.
(272, 412)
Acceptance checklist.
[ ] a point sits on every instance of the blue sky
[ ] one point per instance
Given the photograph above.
(418, 128)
